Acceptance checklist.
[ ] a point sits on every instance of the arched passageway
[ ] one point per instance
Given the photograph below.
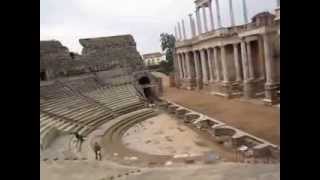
(145, 83)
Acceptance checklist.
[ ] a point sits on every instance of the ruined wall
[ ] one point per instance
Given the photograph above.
(99, 54)
(55, 59)
(115, 51)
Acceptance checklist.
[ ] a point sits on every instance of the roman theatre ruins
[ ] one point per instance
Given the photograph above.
(108, 96)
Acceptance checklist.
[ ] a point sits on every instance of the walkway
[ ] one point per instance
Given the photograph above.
(257, 119)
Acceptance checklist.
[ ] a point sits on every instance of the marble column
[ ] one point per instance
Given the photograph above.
(245, 11)
(216, 64)
(232, 21)
(261, 58)
(183, 65)
(204, 66)
(211, 15)
(248, 87)
(269, 60)
(179, 66)
(205, 19)
(198, 21)
(188, 65)
(198, 70)
(196, 63)
(218, 13)
(176, 71)
(224, 65)
(192, 26)
(244, 57)
(210, 64)
(236, 62)
(179, 31)
(183, 30)
(250, 62)
(271, 85)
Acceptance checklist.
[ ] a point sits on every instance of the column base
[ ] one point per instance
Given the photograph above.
(188, 84)
(226, 88)
(249, 89)
(271, 94)
(199, 84)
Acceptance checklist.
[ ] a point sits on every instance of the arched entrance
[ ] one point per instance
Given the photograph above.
(43, 76)
(145, 83)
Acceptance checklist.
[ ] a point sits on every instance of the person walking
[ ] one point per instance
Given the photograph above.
(79, 140)
(97, 151)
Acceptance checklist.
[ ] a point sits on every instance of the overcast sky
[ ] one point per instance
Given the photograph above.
(70, 20)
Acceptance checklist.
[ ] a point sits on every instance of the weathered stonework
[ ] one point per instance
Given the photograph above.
(108, 61)
(236, 61)
(99, 54)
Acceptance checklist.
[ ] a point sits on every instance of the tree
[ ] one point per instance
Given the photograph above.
(167, 46)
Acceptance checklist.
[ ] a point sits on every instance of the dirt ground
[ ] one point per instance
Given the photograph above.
(257, 119)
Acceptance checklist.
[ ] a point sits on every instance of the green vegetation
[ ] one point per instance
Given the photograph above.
(167, 45)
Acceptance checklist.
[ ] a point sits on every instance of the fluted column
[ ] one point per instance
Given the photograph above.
(183, 30)
(244, 57)
(205, 19)
(248, 88)
(192, 26)
(188, 65)
(236, 62)
(204, 66)
(232, 21)
(269, 61)
(210, 64)
(196, 63)
(261, 58)
(218, 13)
(271, 85)
(198, 70)
(216, 64)
(183, 65)
(245, 11)
(179, 66)
(250, 62)
(198, 21)
(211, 15)
(224, 65)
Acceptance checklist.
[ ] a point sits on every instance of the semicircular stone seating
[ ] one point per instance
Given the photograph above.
(120, 99)
(181, 112)
(206, 124)
(190, 117)
(72, 106)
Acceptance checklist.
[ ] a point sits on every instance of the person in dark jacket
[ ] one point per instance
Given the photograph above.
(79, 139)
(97, 151)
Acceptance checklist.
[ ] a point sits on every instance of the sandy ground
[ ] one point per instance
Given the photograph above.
(85, 170)
(257, 119)
(162, 135)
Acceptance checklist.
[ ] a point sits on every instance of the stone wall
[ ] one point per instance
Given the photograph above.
(118, 51)
(98, 54)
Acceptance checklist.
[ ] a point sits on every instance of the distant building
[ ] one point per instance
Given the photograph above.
(152, 59)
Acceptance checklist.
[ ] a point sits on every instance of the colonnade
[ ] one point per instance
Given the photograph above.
(201, 24)
(247, 62)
